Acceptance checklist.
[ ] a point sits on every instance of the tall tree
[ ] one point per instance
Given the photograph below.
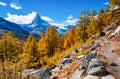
(71, 36)
(52, 37)
(113, 3)
(10, 47)
(92, 27)
(82, 23)
(67, 43)
(49, 43)
(100, 21)
(94, 13)
(30, 54)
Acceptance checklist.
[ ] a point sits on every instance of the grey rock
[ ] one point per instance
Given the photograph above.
(95, 47)
(96, 67)
(91, 55)
(85, 64)
(66, 60)
(74, 52)
(95, 63)
(42, 74)
(98, 71)
(55, 69)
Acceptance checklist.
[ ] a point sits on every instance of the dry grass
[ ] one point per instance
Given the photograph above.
(56, 59)
(9, 70)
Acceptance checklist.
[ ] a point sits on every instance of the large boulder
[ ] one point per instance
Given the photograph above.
(91, 55)
(95, 63)
(41, 74)
(95, 47)
(96, 67)
(98, 71)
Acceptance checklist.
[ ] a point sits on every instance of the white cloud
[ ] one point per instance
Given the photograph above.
(106, 3)
(21, 19)
(61, 26)
(3, 4)
(70, 17)
(47, 19)
(71, 21)
(15, 6)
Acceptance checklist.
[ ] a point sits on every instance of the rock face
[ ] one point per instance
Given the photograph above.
(66, 60)
(91, 55)
(95, 47)
(96, 67)
(98, 71)
(41, 74)
(35, 74)
(95, 63)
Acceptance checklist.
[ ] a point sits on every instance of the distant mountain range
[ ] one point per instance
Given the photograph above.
(36, 27)
(6, 26)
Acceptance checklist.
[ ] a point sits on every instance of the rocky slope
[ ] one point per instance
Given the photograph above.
(102, 61)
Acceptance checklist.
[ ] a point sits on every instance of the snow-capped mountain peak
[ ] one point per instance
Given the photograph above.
(36, 19)
(35, 24)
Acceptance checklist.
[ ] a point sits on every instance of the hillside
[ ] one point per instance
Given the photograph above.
(101, 62)
(97, 59)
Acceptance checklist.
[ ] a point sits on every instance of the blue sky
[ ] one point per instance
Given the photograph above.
(57, 10)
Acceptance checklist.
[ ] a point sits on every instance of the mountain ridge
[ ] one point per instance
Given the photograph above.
(36, 26)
